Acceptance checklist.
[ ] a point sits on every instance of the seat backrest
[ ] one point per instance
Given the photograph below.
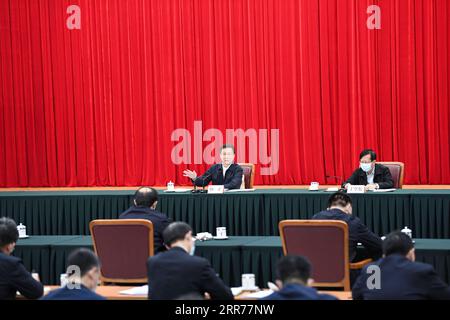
(249, 174)
(325, 244)
(123, 247)
(397, 172)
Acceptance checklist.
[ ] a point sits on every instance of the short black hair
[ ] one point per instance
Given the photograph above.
(84, 259)
(339, 199)
(365, 152)
(228, 145)
(145, 197)
(8, 231)
(175, 231)
(291, 268)
(397, 242)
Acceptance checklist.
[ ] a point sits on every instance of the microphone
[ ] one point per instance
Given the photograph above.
(195, 186)
(203, 183)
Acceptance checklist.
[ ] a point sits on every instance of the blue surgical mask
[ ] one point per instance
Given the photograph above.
(365, 166)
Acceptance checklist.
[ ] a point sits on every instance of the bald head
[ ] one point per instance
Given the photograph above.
(145, 197)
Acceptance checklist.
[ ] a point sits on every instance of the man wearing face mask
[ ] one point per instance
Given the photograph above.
(145, 200)
(81, 285)
(371, 174)
(13, 275)
(340, 208)
(177, 272)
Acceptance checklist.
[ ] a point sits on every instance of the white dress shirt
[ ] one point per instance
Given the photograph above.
(224, 170)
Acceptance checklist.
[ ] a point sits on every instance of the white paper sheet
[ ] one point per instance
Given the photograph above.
(384, 190)
(178, 190)
(240, 190)
(258, 294)
(136, 291)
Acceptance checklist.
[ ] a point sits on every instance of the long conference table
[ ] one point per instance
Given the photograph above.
(115, 293)
(230, 258)
(256, 213)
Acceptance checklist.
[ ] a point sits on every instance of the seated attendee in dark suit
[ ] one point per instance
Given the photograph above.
(83, 272)
(399, 277)
(176, 272)
(227, 173)
(371, 174)
(293, 279)
(13, 275)
(340, 208)
(145, 201)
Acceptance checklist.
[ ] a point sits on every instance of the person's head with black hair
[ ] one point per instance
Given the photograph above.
(179, 234)
(8, 235)
(146, 197)
(293, 269)
(83, 266)
(400, 243)
(367, 159)
(341, 201)
(227, 154)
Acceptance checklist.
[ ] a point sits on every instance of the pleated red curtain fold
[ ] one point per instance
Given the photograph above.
(97, 106)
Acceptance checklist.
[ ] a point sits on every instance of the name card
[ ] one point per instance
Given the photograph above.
(356, 189)
(215, 189)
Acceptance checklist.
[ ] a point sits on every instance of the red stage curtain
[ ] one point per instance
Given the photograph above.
(97, 106)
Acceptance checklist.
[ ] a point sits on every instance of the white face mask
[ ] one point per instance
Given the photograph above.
(365, 166)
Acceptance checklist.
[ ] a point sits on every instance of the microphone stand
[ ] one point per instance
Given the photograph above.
(195, 186)
(203, 184)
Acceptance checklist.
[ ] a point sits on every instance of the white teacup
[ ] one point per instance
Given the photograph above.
(221, 232)
(248, 281)
(22, 230)
(63, 279)
(314, 186)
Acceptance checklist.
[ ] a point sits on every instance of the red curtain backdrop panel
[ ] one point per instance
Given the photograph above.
(97, 106)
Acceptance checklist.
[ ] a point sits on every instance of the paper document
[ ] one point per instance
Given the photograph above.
(178, 190)
(258, 294)
(136, 291)
(236, 290)
(384, 190)
(240, 190)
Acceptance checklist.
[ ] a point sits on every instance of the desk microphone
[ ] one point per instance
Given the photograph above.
(203, 184)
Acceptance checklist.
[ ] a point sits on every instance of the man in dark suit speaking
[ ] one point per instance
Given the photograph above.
(226, 173)
(371, 174)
